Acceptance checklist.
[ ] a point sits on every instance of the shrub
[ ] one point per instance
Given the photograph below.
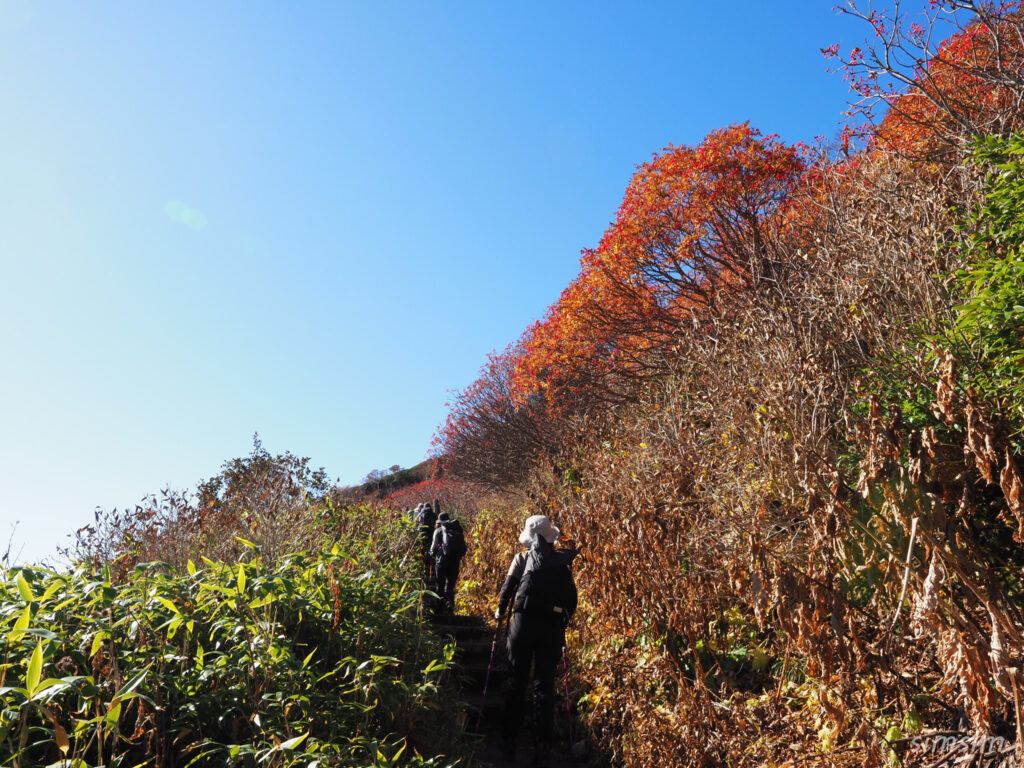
(317, 659)
(278, 502)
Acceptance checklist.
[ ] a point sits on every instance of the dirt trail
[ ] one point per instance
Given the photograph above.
(473, 637)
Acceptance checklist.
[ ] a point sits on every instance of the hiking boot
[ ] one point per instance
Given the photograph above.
(542, 754)
(508, 750)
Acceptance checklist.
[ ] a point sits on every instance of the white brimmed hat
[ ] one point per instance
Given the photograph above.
(538, 525)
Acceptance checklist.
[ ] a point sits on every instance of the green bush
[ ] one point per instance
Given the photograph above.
(990, 321)
(318, 659)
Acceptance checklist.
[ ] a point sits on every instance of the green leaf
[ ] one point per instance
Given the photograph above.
(43, 633)
(168, 605)
(398, 754)
(435, 664)
(47, 685)
(192, 570)
(241, 579)
(24, 588)
(20, 625)
(132, 684)
(52, 590)
(97, 640)
(293, 743)
(35, 669)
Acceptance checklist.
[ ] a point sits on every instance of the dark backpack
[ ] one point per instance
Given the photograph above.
(546, 583)
(453, 540)
(426, 519)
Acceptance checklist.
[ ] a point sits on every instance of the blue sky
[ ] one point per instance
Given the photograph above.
(313, 220)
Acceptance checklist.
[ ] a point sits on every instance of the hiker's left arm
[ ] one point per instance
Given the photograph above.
(511, 584)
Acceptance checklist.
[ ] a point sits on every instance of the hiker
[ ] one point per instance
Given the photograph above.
(541, 593)
(426, 518)
(447, 549)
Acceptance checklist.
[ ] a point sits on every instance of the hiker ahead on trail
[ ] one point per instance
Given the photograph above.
(541, 592)
(425, 518)
(447, 549)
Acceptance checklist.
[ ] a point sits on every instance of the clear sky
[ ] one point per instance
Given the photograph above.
(313, 220)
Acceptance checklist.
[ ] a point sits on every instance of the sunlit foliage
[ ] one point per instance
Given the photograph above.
(318, 658)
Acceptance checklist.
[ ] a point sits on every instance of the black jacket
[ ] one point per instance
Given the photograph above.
(437, 543)
(540, 582)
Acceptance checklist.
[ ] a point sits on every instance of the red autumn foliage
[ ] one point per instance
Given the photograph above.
(922, 98)
(695, 222)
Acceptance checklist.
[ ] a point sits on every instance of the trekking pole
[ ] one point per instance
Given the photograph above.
(568, 709)
(487, 677)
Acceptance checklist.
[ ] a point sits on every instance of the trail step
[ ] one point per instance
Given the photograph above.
(473, 637)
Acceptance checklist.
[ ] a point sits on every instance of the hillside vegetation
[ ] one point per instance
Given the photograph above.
(781, 409)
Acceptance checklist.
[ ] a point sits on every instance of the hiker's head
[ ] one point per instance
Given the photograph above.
(443, 517)
(538, 525)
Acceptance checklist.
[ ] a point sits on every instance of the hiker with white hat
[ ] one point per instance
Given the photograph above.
(541, 592)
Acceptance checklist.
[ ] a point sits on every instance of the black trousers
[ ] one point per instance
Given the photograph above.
(536, 641)
(447, 575)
